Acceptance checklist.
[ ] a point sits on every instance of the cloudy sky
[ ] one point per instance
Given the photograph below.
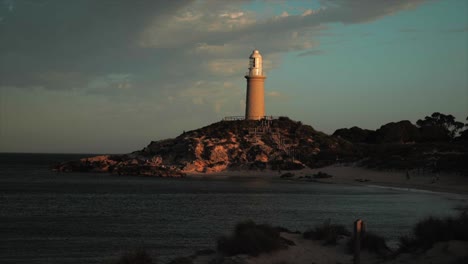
(109, 76)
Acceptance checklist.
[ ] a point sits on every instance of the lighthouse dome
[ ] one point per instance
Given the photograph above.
(255, 54)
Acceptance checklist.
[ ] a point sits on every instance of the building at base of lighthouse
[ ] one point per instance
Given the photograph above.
(255, 101)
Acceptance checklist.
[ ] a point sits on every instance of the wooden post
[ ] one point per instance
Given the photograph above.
(359, 229)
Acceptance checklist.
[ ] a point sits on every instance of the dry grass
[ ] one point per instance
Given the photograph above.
(251, 239)
(431, 230)
(328, 232)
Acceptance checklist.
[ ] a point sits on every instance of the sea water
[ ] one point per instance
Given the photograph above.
(48, 217)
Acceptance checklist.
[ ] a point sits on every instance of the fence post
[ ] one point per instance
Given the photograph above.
(359, 229)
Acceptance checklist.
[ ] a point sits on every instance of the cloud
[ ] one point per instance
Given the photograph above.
(410, 30)
(162, 47)
(212, 96)
(311, 53)
(178, 64)
(457, 30)
(274, 94)
(90, 38)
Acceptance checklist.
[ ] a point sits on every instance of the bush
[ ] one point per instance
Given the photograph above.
(327, 232)
(371, 242)
(287, 175)
(182, 260)
(205, 252)
(135, 257)
(431, 230)
(286, 230)
(252, 239)
(321, 175)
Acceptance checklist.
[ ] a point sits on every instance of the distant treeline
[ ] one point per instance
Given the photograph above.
(437, 127)
(435, 143)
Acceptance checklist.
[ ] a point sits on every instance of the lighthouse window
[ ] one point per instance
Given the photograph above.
(253, 62)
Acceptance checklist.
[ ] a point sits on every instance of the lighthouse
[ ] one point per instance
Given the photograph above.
(255, 102)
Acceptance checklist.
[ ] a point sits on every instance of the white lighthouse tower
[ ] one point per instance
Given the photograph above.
(255, 103)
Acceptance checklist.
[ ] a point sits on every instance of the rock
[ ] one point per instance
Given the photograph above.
(284, 144)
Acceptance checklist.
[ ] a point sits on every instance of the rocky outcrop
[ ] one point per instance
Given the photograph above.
(122, 165)
(284, 144)
(280, 144)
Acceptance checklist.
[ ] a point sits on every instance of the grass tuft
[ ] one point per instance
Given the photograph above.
(327, 232)
(432, 230)
(372, 243)
(135, 257)
(252, 239)
(182, 260)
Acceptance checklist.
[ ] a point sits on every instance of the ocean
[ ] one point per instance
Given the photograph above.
(48, 217)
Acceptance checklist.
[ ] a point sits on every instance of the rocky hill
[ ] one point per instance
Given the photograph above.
(436, 143)
(279, 144)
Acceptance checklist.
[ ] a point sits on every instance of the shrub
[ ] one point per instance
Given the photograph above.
(182, 260)
(286, 230)
(321, 175)
(252, 239)
(370, 242)
(327, 232)
(431, 230)
(135, 257)
(287, 175)
(205, 252)
(406, 244)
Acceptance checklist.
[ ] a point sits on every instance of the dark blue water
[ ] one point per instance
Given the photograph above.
(47, 217)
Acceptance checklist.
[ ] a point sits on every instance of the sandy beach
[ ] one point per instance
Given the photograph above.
(309, 251)
(442, 182)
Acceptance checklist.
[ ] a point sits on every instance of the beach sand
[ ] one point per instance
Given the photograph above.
(314, 251)
(309, 251)
(441, 182)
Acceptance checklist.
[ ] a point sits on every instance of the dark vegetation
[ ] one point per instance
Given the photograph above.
(328, 232)
(431, 230)
(435, 128)
(435, 143)
(370, 242)
(321, 175)
(135, 257)
(252, 239)
(287, 175)
(182, 260)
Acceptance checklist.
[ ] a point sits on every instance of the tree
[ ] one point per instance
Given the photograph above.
(464, 133)
(446, 122)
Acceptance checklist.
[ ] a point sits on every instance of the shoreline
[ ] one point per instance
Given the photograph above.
(351, 175)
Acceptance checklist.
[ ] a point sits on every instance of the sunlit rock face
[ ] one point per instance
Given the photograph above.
(280, 144)
(277, 144)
